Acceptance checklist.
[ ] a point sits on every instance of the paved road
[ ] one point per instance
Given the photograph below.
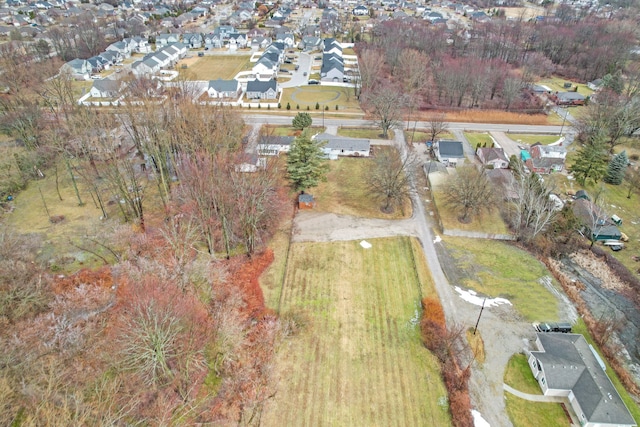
(453, 126)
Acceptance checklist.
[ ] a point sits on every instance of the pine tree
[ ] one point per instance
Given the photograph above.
(302, 121)
(616, 169)
(306, 164)
(591, 163)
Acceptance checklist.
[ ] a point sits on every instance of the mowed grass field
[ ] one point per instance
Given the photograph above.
(357, 359)
(214, 67)
(531, 139)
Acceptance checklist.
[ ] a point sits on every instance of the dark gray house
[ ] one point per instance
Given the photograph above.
(451, 153)
(566, 365)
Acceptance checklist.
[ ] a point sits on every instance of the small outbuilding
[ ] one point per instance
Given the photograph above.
(306, 201)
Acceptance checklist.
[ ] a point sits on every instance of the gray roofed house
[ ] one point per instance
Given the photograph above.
(567, 366)
(569, 98)
(257, 89)
(272, 145)
(310, 43)
(78, 68)
(192, 40)
(105, 88)
(337, 146)
(224, 88)
(493, 156)
(451, 153)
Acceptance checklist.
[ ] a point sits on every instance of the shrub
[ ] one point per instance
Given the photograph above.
(297, 106)
(317, 105)
(326, 108)
(288, 106)
(336, 107)
(279, 105)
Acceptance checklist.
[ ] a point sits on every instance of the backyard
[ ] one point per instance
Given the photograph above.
(345, 191)
(357, 358)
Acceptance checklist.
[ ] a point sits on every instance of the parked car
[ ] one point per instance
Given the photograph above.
(200, 54)
(287, 61)
(314, 82)
(304, 74)
(284, 71)
(553, 327)
(297, 67)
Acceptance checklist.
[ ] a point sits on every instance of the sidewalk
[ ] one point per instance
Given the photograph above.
(546, 399)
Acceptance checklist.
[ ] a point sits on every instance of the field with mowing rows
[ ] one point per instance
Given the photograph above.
(357, 359)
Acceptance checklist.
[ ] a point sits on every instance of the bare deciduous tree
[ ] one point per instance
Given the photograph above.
(469, 192)
(389, 179)
(386, 102)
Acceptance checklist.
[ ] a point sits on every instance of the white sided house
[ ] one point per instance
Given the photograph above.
(271, 145)
(338, 146)
(566, 365)
(224, 89)
(258, 89)
(493, 157)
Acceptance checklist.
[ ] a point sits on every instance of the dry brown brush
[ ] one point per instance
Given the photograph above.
(442, 343)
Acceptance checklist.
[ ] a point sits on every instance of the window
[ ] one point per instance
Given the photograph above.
(542, 380)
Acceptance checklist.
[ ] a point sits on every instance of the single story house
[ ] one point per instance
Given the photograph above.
(338, 146)
(569, 98)
(566, 365)
(270, 145)
(494, 157)
(451, 153)
(224, 88)
(257, 89)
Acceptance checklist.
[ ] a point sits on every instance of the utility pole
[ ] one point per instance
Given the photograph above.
(476, 328)
(564, 118)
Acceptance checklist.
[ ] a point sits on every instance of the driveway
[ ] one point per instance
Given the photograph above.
(297, 77)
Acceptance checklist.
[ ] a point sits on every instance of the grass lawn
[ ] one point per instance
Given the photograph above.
(345, 191)
(487, 222)
(366, 133)
(498, 269)
(288, 130)
(214, 67)
(524, 413)
(476, 138)
(357, 358)
(421, 135)
(581, 328)
(557, 84)
(531, 139)
(81, 87)
(308, 96)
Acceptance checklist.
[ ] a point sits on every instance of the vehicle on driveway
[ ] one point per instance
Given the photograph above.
(314, 82)
(552, 327)
(304, 74)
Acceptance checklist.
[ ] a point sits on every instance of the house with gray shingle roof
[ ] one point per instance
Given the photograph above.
(566, 365)
(257, 89)
(105, 88)
(224, 88)
(339, 146)
(451, 153)
(78, 68)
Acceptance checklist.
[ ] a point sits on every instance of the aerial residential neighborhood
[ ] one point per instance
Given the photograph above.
(323, 212)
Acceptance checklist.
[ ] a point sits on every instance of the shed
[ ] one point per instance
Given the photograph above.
(607, 232)
(305, 201)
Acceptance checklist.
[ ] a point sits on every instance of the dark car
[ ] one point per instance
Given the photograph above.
(553, 327)
(200, 54)
(286, 61)
(314, 82)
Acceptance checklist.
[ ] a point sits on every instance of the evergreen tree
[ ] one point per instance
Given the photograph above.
(616, 169)
(306, 164)
(301, 121)
(591, 163)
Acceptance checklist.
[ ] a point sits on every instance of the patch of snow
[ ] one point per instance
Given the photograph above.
(437, 239)
(478, 421)
(365, 244)
(473, 298)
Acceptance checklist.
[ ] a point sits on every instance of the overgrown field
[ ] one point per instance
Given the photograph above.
(357, 357)
(498, 269)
